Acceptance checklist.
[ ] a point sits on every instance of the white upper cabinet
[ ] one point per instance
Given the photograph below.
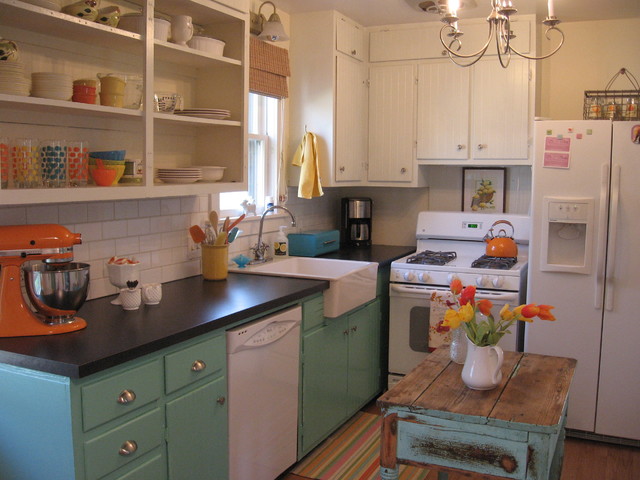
(50, 41)
(392, 159)
(478, 115)
(329, 95)
(350, 38)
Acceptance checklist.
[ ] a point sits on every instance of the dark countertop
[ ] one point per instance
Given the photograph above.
(381, 254)
(189, 308)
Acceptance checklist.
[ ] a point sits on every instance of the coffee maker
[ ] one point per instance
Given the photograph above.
(355, 229)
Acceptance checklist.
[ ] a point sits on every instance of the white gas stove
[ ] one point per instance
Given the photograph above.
(456, 239)
(460, 235)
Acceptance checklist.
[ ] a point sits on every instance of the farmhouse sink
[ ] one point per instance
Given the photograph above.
(351, 283)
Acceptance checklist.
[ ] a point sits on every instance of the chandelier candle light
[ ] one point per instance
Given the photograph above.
(500, 26)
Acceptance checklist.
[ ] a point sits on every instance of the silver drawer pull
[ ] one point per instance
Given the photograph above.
(221, 400)
(126, 396)
(128, 447)
(198, 366)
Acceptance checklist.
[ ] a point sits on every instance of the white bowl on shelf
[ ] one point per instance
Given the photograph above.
(212, 174)
(207, 44)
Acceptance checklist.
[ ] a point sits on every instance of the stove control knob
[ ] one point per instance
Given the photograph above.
(423, 277)
(480, 280)
(451, 277)
(409, 276)
(497, 281)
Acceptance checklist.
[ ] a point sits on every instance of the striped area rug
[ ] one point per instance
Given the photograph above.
(352, 453)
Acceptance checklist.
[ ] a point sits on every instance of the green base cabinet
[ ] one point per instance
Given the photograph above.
(162, 416)
(340, 369)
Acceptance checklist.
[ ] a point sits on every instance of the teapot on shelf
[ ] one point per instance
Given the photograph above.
(501, 245)
(85, 9)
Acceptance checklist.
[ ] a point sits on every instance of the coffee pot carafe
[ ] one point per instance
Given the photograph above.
(356, 222)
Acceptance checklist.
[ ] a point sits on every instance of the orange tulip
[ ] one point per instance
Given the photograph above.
(468, 295)
(484, 306)
(456, 286)
(545, 313)
(531, 310)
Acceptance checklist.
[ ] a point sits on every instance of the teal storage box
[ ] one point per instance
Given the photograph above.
(313, 243)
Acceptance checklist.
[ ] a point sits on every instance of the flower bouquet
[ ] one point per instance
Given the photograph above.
(483, 362)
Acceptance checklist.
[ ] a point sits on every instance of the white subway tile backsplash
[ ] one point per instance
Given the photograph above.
(149, 208)
(102, 249)
(101, 211)
(43, 214)
(13, 216)
(150, 243)
(174, 239)
(127, 246)
(170, 206)
(126, 209)
(138, 226)
(114, 229)
(90, 231)
(159, 224)
(73, 213)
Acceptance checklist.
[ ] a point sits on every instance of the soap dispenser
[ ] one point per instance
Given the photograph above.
(280, 247)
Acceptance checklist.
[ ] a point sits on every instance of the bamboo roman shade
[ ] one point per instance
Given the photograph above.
(268, 69)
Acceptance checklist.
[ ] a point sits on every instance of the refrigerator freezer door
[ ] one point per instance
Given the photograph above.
(576, 332)
(618, 412)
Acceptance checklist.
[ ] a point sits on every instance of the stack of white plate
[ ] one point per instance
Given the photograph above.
(13, 80)
(179, 175)
(56, 86)
(211, 113)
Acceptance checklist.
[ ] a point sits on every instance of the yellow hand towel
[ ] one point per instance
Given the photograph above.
(306, 157)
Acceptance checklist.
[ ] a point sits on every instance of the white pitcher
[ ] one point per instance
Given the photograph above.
(483, 366)
(181, 29)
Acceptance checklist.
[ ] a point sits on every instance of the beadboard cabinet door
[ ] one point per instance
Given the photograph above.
(443, 111)
(392, 94)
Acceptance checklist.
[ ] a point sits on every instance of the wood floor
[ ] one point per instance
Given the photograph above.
(583, 460)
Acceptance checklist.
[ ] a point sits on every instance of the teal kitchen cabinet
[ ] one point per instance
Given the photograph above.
(162, 416)
(340, 368)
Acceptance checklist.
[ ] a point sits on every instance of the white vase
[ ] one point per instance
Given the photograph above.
(483, 367)
(181, 29)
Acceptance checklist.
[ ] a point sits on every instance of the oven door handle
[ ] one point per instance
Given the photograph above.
(496, 297)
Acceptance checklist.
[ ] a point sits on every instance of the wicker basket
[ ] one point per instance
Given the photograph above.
(613, 104)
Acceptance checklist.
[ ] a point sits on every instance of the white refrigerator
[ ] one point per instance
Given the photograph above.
(584, 258)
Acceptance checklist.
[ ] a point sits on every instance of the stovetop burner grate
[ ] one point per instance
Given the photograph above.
(429, 257)
(499, 263)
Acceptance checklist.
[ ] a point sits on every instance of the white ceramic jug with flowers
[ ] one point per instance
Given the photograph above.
(483, 362)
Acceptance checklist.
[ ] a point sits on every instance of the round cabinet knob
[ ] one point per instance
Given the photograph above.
(126, 396)
(460, 147)
(481, 146)
(423, 277)
(353, 52)
(497, 281)
(341, 169)
(345, 332)
(221, 400)
(409, 276)
(354, 329)
(480, 280)
(451, 277)
(198, 366)
(403, 170)
(128, 447)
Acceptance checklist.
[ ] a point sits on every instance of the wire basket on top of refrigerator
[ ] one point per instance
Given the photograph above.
(613, 104)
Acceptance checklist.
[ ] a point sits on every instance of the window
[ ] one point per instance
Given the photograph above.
(264, 124)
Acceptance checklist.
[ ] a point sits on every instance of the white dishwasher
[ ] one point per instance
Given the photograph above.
(262, 367)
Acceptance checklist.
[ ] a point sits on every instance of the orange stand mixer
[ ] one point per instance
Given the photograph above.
(22, 243)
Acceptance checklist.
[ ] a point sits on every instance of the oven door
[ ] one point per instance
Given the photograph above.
(409, 319)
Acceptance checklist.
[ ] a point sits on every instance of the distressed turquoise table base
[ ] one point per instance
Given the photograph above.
(515, 431)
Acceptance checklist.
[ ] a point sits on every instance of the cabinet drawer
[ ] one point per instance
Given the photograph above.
(193, 363)
(155, 468)
(313, 313)
(122, 393)
(107, 452)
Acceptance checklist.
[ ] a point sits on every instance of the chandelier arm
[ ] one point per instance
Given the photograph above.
(471, 55)
(454, 60)
(504, 64)
(531, 57)
(499, 37)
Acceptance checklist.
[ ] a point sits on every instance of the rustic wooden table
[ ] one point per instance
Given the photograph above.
(431, 419)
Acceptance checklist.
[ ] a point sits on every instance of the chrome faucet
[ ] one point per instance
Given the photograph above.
(260, 249)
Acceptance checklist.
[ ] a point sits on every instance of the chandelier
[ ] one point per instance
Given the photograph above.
(499, 27)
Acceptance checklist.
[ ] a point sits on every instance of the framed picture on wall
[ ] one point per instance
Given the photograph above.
(483, 190)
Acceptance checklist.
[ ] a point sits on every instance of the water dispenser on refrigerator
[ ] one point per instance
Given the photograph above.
(567, 231)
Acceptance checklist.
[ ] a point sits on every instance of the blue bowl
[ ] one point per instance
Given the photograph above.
(109, 154)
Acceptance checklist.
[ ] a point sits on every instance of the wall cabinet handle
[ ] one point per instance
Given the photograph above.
(403, 170)
(198, 366)
(341, 169)
(346, 332)
(354, 329)
(128, 447)
(353, 52)
(221, 400)
(126, 396)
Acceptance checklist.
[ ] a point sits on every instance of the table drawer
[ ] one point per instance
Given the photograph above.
(124, 444)
(193, 363)
(121, 393)
(466, 446)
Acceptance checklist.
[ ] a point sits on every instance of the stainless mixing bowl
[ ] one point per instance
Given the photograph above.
(57, 291)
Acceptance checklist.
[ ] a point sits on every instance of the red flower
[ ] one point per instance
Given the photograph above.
(456, 286)
(545, 313)
(484, 306)
(468, 295)
(440, 328)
